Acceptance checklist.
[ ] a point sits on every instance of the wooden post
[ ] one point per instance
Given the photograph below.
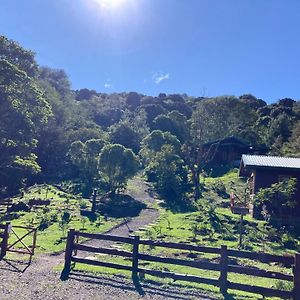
(4, 241)
(224, 268)
(34, 241)
(241, 231)
(68, 254)
(135, 257)
(296, 271)
(94, 200)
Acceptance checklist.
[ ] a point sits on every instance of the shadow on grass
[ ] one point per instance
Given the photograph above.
(182, 206)
(120, 206)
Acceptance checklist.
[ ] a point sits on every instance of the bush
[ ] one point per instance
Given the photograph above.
(220, 188)
(83, 204)
(45, 222)
(288, 241)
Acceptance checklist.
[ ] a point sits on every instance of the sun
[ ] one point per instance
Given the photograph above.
(110, 3)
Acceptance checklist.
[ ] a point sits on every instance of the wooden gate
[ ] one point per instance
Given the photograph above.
(16, 239)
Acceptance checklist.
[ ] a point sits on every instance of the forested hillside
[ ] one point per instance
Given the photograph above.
(51, 133)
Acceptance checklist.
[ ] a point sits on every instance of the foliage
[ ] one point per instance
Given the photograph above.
(23, 111)
(123, 134)
(116, 165)
(169, 173)
(277, 199)
(43, 121)
(85, 157)
(64, 221)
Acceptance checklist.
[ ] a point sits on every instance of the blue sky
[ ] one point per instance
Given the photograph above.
(198, 47)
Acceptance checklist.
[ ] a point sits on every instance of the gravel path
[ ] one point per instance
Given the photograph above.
(40, 281)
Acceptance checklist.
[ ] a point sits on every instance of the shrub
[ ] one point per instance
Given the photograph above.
(83, 204)
(288, 241)
(45, 222)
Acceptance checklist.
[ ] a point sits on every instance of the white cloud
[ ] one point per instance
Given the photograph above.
(158, 77)
(108, 84)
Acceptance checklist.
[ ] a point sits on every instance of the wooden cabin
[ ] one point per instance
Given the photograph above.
(227, 151)
(263, 171)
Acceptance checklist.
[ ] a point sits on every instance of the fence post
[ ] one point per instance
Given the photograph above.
(4, 241)
(68, 254)
(296, 271)
(34, 241)
(135, 256)
(224, 270)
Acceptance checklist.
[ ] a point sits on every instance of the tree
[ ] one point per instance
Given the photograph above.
(124, 134)
(116, 165)
(169, 173)
(85, 157)
(153, 143)
(292, 147)
(175, 123)
(277, 199)
(23, 109)
(22, 59)
(133, 100)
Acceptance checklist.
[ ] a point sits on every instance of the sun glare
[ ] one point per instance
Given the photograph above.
(110, 3)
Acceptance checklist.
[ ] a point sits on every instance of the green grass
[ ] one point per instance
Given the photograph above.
(52, 238)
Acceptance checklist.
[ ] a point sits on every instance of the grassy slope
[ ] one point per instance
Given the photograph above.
(51, 239)
(212, 225)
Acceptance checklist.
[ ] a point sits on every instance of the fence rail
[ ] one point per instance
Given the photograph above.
(6, 230)
(223, 266)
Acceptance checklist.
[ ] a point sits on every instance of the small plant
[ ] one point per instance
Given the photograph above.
(53, 217)
(195, 230)
(83, 204)
(45, 222)
(64, 221)
(284, 285)
(220, 188)
(158, 229)
(83, 221)
(288, 241)
(46, 210)
(99, 220)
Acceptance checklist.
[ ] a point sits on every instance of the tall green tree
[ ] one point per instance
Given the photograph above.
(117, 164)
(84, 156)
(23, 110)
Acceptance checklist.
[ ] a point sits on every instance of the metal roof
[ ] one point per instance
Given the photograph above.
(270, 161)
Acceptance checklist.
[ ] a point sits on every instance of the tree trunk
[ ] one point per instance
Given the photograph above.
(196, 183)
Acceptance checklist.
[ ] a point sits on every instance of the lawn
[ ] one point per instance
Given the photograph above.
(49, 219)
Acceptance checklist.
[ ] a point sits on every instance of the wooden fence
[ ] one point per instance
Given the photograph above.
(5, 204)
(4, 234)
(224, 266)
(7, 230)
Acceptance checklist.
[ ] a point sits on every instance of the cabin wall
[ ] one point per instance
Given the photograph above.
(264, 178)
